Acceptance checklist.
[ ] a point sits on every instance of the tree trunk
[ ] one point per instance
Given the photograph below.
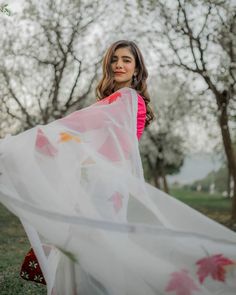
(228, 146)
(157, 181)
(165, 184)
(229, 177)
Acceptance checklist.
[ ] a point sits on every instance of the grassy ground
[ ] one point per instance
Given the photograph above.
(14, 244)
(13, 247)
(214, 206)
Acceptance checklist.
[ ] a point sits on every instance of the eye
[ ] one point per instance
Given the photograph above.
(127, 60)
(113, 60)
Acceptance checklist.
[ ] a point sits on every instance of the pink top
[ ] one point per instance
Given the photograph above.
(141, 113)
(141, 116)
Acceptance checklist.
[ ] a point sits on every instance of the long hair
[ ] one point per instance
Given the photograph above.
(107, 84)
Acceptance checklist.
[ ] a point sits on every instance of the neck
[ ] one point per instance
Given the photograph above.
(121, 85)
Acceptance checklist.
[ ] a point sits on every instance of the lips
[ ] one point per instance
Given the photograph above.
(119, 73)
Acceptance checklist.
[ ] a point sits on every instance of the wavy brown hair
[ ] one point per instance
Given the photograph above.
(107, 84)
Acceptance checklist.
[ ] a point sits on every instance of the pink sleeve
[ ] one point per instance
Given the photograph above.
(141, 116)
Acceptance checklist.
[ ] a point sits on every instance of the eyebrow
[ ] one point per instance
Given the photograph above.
(124, 56)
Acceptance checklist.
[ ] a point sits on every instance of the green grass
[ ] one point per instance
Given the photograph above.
(13, 247)
(202, 200)
(14, 244)
(214, 206)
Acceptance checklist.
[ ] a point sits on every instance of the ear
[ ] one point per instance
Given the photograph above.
(136, 72)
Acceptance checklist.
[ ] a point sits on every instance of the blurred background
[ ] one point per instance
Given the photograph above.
(50, 63)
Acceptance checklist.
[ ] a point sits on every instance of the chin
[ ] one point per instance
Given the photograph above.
(124, 82)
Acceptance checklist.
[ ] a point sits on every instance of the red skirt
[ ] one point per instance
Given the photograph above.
(30, 269)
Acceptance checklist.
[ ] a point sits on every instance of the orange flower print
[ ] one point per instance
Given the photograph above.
(65, 137)
(213, 266)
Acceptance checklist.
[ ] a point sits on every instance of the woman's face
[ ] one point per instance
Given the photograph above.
(123, 67)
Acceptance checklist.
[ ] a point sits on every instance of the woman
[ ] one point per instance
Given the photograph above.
(82, 193)
(123, 66)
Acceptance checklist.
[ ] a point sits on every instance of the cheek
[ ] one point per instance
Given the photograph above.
(113, 66)
(130, 67)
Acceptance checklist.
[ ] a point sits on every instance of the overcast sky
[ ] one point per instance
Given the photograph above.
(196, 167)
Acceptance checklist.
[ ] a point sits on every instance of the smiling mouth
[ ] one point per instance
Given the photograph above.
(119, 73)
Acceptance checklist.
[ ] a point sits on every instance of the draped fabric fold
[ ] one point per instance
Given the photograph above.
(77, 185)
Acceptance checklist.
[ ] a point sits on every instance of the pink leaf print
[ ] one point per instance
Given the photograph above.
(113, 97)
(116, 198)
(181, 283)
(43, 145)
(213, 266)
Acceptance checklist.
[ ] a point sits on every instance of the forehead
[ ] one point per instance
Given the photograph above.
(123, 51)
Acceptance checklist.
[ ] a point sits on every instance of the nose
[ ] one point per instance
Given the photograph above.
(119, 64)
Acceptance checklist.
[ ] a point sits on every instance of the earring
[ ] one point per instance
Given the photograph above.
(135, 80)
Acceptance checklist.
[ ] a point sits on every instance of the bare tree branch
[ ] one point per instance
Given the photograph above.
(12, 93)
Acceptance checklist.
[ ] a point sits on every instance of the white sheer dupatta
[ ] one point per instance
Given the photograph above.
(77, 185)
